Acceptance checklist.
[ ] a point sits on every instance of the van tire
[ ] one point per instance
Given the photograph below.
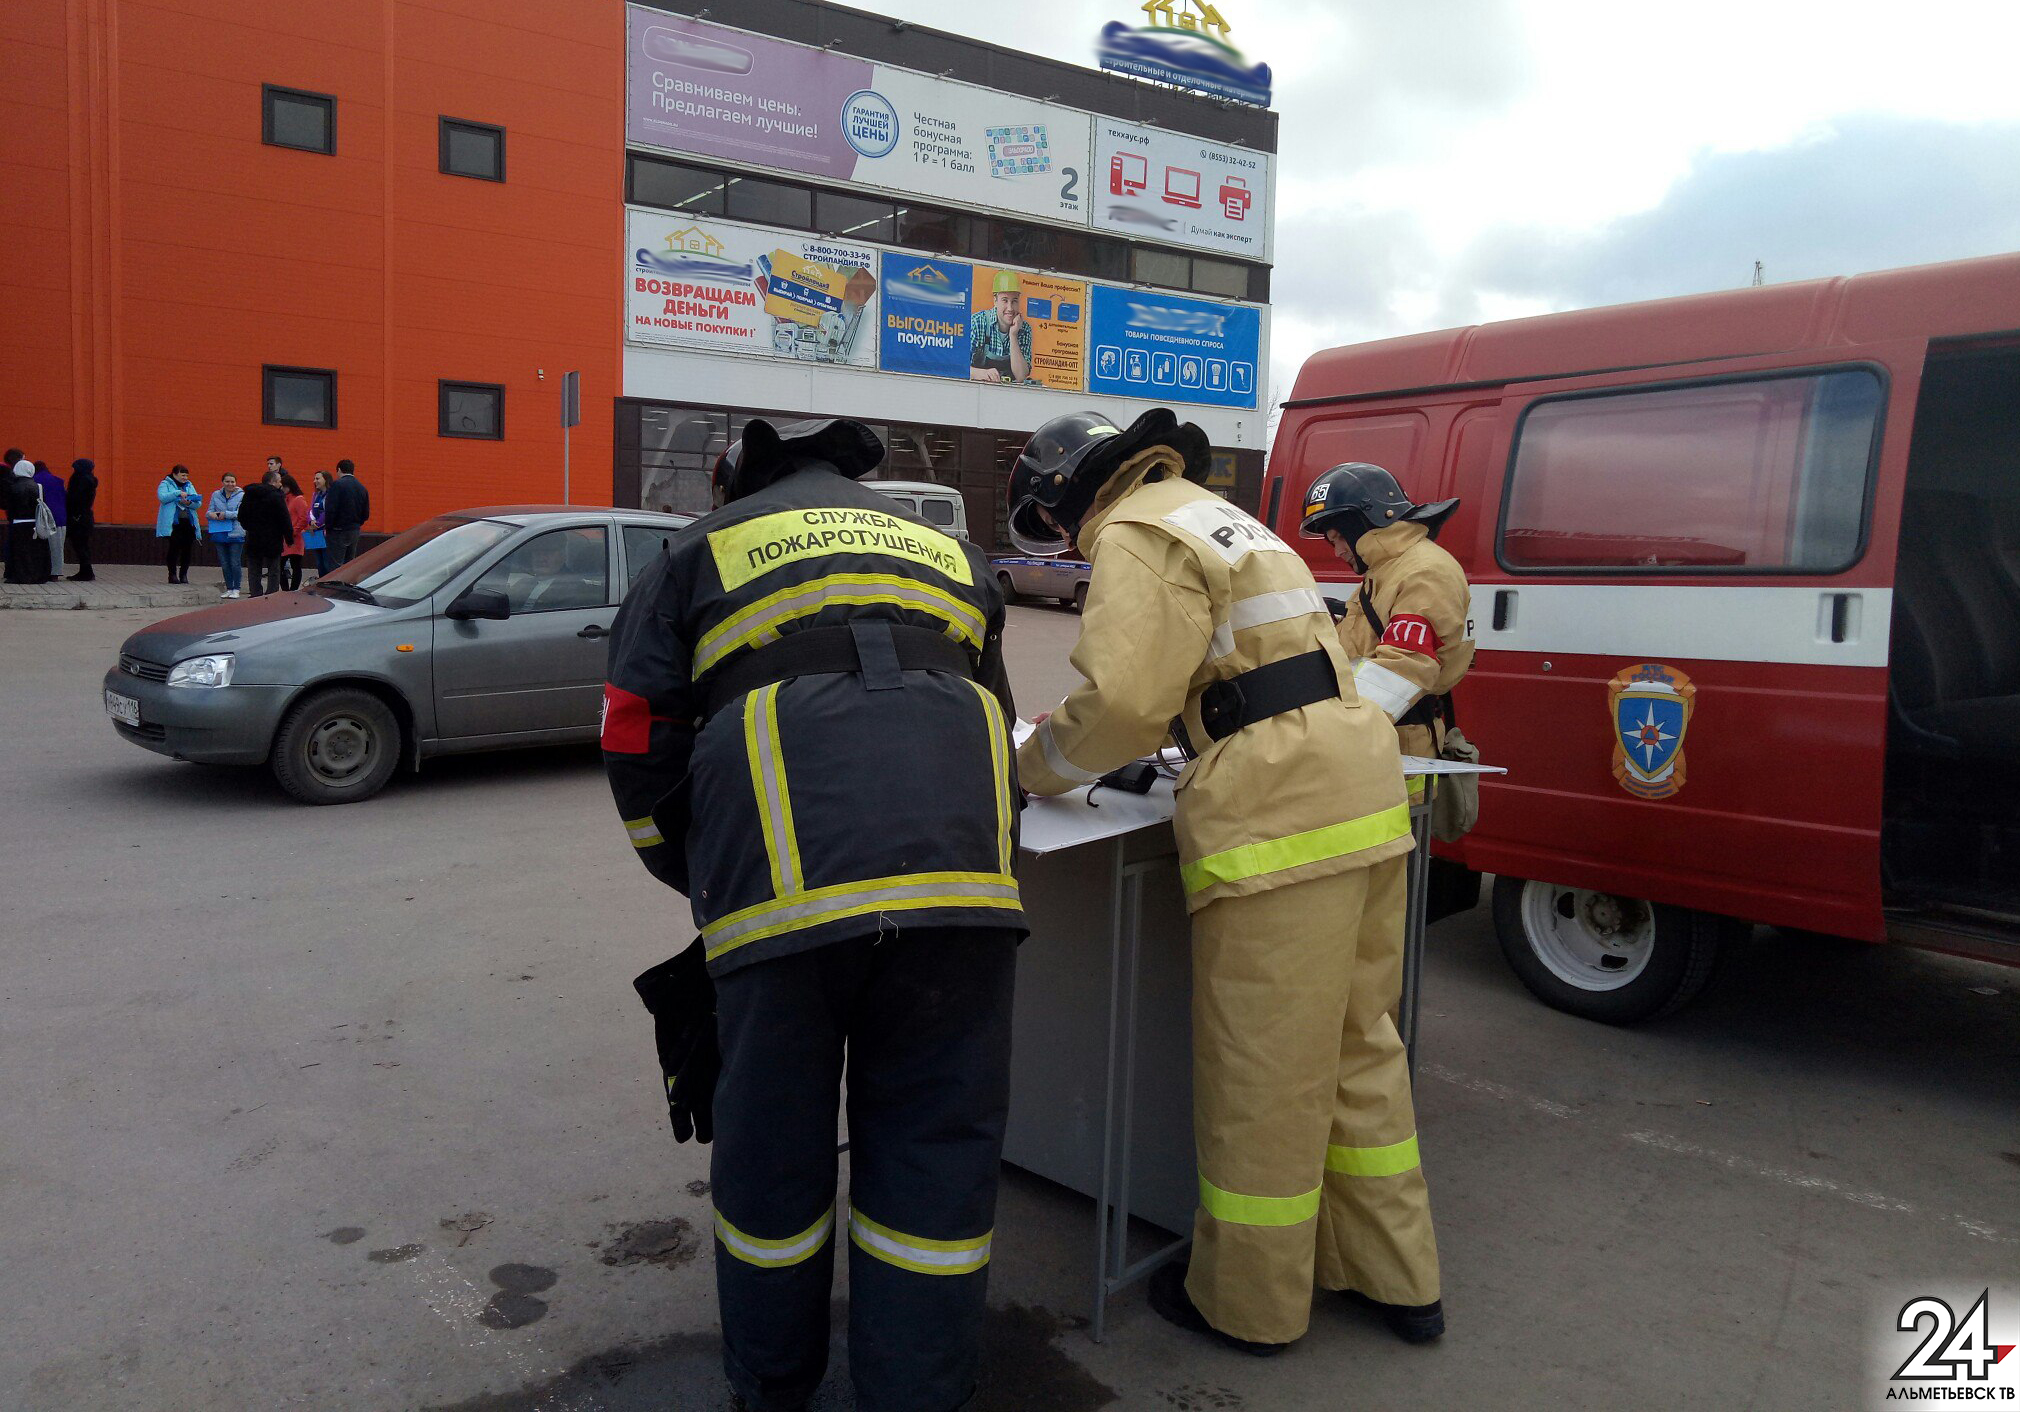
(1009, 587)
(337, 746)
(1616, 960)
(1080, 598)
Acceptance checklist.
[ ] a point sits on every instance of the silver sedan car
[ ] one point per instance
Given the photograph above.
(481, 630)
(1028, 576)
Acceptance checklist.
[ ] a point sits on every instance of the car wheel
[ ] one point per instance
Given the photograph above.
(1080, 598)
(1009, 587)
(1618, 960)
(336, 747)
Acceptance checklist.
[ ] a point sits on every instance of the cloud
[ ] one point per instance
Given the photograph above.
(1866, 193)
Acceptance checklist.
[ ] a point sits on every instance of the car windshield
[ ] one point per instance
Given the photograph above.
(414, 563)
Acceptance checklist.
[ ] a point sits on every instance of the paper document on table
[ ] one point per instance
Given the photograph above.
(1414, 765)
(1021, 730)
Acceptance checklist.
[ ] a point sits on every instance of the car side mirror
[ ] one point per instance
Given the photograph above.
(480, 603)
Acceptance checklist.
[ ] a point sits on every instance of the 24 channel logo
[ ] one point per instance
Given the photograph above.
(1929, 1352)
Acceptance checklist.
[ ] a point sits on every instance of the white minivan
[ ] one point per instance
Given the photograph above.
(940, 506)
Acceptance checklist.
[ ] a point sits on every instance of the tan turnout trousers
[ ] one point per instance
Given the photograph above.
(1301, 1101)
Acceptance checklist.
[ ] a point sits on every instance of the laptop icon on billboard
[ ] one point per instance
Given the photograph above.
(1181, 187)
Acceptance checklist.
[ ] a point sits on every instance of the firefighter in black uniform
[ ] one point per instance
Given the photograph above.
(814, 679)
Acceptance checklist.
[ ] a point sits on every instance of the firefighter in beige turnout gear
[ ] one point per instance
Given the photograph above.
(1406, 630)
(1292, 829)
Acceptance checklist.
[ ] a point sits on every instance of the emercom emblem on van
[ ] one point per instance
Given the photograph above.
(1650, 706)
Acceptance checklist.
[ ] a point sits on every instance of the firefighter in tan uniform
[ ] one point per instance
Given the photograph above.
(1407, 629)
(1292, 828)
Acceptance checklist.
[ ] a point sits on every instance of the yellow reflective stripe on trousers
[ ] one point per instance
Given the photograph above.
(768, 783)
(916, 1253)
(908, 892)
(774, 1253)
(1415, 784)
(644, 832)
(1239, 1210)
(1390, 1161)
(758, 623)
(1253, 860)
(999, 764)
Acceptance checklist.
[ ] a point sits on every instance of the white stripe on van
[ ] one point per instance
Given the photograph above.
(1690, 622)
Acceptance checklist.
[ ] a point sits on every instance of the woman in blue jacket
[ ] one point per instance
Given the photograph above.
(225, 533)
(179, 520)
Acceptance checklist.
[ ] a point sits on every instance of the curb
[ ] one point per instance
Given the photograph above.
(23, 602)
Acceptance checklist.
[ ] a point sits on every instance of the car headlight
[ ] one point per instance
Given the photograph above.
(202, 671)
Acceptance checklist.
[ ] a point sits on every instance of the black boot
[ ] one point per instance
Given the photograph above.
(1174, 1305)
(1412, 1323)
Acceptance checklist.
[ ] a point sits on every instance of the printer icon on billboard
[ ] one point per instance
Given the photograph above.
(1234, 198)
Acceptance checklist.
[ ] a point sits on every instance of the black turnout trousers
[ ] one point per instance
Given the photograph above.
(921, 1018)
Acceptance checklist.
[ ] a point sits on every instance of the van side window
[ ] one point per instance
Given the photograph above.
(938, 512)
(1768, 473)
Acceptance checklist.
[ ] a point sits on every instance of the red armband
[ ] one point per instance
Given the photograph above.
(1412, 634)
(627, 722)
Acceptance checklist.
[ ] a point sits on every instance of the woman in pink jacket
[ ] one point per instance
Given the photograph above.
(298, 512)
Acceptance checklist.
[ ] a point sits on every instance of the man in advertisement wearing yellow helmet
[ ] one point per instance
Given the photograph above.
(1292, 827)
(999, 337)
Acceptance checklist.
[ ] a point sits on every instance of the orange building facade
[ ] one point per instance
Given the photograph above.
(161, 254)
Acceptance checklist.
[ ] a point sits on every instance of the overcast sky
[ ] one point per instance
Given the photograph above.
(1443, 162)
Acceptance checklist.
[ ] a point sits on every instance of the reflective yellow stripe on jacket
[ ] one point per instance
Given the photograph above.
(907, 892)
(999, 761)
(758, 623)
(768, 782)
(1313, 846)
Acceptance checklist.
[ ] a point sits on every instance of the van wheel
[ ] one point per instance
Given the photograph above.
(1080, 598)
(1618, 960)
(1008, 586)
(336, 747)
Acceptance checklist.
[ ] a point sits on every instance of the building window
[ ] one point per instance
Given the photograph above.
(941, 232)
(1219, 277)
(770, 203)
(1161, 267)
(299, 397)
(694, 190)
(472, 409)
(292, 117)
(1740, 475)
(856, 217)
(473, 149)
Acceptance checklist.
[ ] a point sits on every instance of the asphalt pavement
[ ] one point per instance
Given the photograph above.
(355, 1108)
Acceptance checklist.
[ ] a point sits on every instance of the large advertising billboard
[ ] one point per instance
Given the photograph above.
(1156, 185)
(713, 91)
(725, 287)
(704, 283)
(1146, 343)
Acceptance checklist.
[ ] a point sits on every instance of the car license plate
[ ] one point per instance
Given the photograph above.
(123, 709)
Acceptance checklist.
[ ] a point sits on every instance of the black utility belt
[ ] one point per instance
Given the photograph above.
(1426, 713)
(878, 651)
(1259, 693)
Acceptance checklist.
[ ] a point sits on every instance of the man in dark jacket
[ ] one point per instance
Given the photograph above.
(83, 516)
(269, 530)
(346, 507)
(816, 681)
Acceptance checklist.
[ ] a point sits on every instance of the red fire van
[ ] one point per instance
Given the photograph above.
(1746, 590)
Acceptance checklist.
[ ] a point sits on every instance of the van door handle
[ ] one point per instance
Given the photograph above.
(1504, 609)
(593, 631)
(1839, 617)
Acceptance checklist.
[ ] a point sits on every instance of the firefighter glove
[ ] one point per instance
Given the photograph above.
(681, 999)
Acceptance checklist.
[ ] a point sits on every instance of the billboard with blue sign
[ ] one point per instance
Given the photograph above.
(925, 328)
(1166, 347)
